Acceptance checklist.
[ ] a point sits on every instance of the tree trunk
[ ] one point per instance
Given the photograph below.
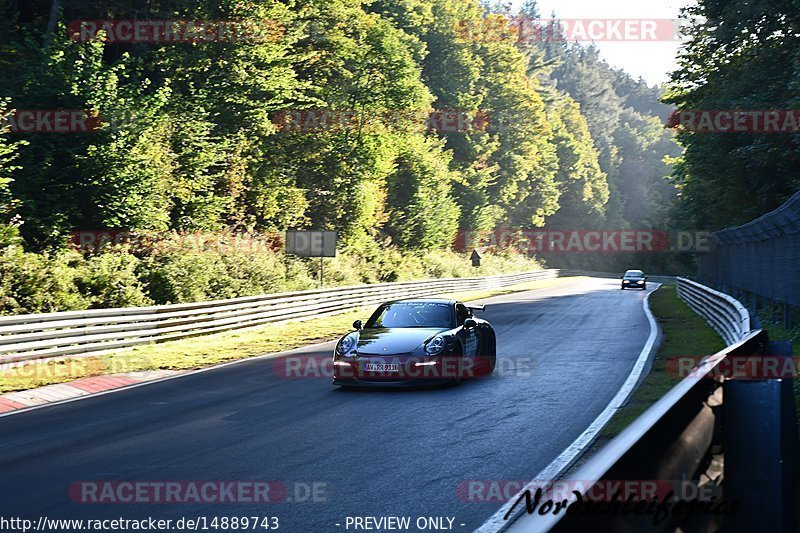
(53, 20)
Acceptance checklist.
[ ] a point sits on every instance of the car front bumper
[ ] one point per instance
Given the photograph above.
(628, 285)
(409, 371)
(384, 384)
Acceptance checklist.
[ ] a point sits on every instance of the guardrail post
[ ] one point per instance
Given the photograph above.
(760, 445)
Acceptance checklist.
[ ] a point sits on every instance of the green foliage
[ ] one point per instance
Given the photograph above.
(740, 55)
(109, 280)
(626, 123)
(421, 211)
(644, 169)
(39, 283)
(188, 143)
(582, 185)
(525, 159)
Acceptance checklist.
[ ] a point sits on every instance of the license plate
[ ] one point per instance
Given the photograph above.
(382, 367)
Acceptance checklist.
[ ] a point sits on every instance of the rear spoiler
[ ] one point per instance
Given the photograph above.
(476, 307)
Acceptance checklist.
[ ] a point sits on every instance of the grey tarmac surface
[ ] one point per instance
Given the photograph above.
(563, 353)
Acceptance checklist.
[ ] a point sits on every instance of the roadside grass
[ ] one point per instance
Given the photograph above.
(684, 334)
(207, 350)
(777, 332)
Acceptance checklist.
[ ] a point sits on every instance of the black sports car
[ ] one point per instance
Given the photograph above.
(411, 342)
(634, 279)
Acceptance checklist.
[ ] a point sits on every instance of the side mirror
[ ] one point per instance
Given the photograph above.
(645, 278)
(470, 323)
(357, 324)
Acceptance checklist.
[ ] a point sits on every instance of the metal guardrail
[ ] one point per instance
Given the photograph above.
(724, 313)
(739, 436)
(45, 335)
(757, 261)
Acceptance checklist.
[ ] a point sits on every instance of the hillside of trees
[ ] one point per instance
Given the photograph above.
(190, 143)
(739, 56)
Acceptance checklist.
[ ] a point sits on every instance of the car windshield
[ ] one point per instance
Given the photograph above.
(413, 315)
(634, 274)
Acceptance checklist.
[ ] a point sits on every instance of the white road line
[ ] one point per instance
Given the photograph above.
(566, 458)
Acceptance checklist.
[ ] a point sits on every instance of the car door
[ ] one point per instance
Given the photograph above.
(470, 336)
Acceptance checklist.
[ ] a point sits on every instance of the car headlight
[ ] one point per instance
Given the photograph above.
(640, 282)
(436, 345)
(346, 344)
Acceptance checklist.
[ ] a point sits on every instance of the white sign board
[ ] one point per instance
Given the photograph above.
(311, 243)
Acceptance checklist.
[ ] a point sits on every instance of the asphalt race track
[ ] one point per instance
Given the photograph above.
(563, 353)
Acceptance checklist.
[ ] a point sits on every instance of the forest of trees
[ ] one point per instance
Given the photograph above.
(739, 56)
(190, 144)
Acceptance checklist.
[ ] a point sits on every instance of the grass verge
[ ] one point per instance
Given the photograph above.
(203, 351)
(685, 333)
